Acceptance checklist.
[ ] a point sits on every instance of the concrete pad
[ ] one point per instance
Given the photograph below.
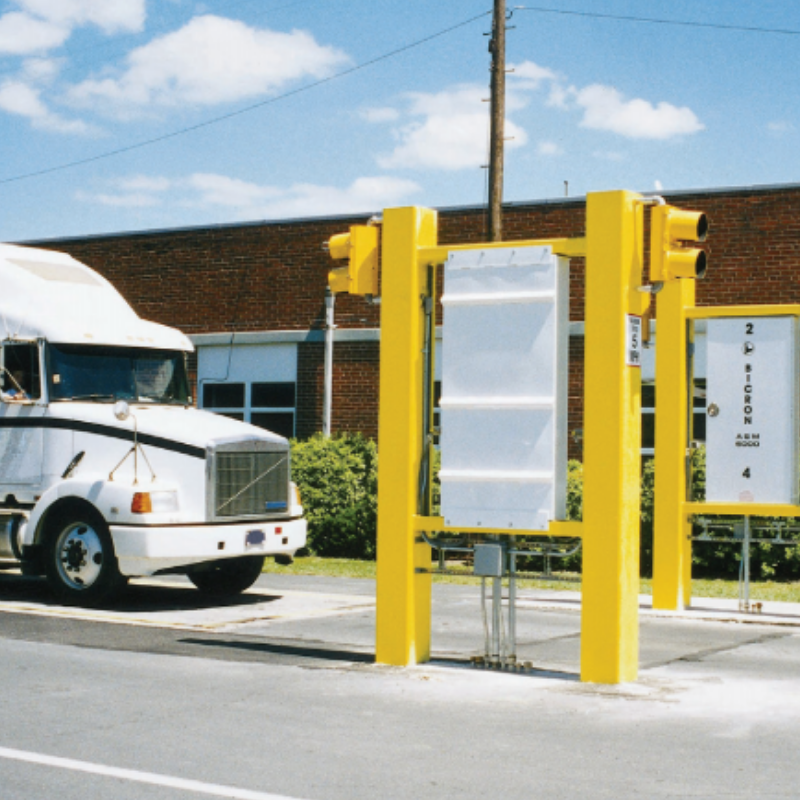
(174, 603)
(715, 609)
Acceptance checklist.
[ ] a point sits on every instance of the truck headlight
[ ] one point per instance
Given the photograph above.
(154, 502)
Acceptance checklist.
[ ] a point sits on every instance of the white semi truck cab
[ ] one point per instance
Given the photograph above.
(107, 471)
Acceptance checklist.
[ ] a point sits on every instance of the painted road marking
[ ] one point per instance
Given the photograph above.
(198, 787)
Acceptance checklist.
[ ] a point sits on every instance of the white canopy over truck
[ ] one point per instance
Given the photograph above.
(107, 471)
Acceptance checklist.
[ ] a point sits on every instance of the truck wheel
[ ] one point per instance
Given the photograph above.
(228, 577)
(79, 559)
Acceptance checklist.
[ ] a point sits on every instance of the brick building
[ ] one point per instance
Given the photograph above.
(251, 297)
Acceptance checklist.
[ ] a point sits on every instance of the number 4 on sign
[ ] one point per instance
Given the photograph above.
(746, 473)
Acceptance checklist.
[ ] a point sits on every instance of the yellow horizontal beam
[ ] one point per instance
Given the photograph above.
(707, 312)
(570, 248)
(569, 530)
(743, 509)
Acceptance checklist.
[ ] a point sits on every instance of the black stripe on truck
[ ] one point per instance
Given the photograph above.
(108, 431)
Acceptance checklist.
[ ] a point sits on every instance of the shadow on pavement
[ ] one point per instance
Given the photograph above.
(315, 652)
(134, 599)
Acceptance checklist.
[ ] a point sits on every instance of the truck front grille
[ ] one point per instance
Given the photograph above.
(251, 484)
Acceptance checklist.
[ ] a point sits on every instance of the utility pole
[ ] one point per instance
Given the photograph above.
(497, 47)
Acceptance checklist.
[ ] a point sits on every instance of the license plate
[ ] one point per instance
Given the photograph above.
(254, 538)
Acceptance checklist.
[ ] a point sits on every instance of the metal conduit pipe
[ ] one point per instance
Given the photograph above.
(327, 400)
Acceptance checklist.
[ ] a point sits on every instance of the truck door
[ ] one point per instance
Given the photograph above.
(21, 413)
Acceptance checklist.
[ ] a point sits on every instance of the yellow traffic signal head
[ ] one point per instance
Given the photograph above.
(360, 247)
(670, 256)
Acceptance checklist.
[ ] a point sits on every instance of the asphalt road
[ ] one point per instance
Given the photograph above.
(277, 696)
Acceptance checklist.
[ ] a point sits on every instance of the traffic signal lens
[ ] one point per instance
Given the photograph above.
(672, 256)
(701, 265)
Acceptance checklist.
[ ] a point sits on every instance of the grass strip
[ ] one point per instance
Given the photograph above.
(765, 591)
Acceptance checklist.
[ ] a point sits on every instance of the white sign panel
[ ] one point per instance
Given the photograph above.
(752, 410)
(633, 341)
(504, 388)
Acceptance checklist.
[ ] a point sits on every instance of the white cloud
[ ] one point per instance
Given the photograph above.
(41, 25)
(301, 199)
(124, 200)
(220, 190)
(608, 155)
(549, 149)
(658, 186)
(210, 60)
(145, 183)
(112, 16)
(364, 194)
(452, 133)
(605, 109)
(248, 200)
(21, 34)
(40, 70)
(378, 115)
(780, 127)
(531, 75)
(19, 98)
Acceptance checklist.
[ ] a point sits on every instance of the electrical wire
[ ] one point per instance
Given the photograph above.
(655, 21)
(230, 115)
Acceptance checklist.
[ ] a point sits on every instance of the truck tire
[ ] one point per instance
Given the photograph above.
(228, 577)
(80, 563)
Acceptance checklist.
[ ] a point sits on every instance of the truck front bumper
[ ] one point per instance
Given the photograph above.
(146, 549)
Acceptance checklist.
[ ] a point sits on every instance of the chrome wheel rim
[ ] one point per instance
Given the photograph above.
(79, 556)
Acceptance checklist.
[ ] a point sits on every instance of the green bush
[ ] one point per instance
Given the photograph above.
(338, 482)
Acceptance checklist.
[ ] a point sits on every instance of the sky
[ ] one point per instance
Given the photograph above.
(126, 115)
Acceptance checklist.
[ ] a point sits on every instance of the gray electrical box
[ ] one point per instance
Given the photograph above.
(752, 424)
(490, 560)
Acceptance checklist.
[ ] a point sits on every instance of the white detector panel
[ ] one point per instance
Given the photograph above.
(504, 388)
(752, 408)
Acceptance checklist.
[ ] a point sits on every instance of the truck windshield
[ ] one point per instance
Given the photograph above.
(107, 374)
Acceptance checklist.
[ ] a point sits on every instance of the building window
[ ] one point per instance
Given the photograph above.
(649, 415)
(648, 419)
(20, 377)
(437, 412)
(699, 414)
(272, 407)
(267, 405)
(254, 382)
(226, 399)
(223, 395)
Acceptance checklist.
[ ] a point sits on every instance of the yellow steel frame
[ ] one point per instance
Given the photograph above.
(672, 553)
(672, 545)
(610, 530)
(403, 622)
(612, 437)
(565, 529)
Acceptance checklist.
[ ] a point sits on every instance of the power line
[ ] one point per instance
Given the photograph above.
(652, 20)
(245, 110)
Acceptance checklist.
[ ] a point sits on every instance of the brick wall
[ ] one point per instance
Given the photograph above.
(356, 373)
(272, 276)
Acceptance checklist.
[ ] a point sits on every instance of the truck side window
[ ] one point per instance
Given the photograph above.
(21, 378)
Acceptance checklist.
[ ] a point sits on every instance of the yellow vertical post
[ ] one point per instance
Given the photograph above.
(612, 430)
(672, 546)
(403, 623)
